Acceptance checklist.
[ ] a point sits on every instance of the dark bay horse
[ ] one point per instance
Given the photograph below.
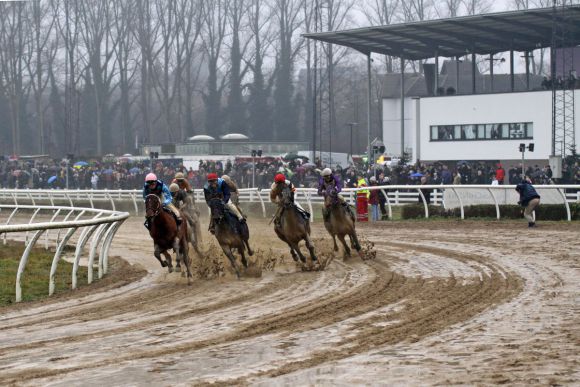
(230, 233)
(340, 222)
(163, 230)
(294, 228)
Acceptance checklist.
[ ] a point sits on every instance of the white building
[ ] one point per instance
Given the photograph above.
(473, 127)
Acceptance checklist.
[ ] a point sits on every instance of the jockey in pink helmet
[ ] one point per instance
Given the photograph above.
(157, 187)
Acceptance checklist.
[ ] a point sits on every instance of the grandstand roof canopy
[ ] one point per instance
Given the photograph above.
(523, 30)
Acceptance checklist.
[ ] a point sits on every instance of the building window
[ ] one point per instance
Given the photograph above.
(480, 132)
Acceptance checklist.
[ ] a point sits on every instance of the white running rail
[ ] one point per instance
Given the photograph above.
(445, 195)
(98, 226)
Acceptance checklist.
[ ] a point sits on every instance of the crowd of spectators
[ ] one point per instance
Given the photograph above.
(127, 174)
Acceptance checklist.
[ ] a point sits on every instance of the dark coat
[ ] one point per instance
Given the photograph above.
(527, 192)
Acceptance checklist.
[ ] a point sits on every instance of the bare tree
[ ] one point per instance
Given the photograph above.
(214, 17)
(12, 63)
(476, 7)
(236, 110)
(42, 50)
(259, 107)
(288, 16)
(100, 45)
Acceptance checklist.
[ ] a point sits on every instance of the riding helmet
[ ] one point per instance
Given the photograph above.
(151, 177)
(212, 176)
(280, 178)
(179, 176)
(173, 187)
(326, 172)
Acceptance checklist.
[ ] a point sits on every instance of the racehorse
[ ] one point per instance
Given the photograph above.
(230, 233)
(340, 222)
(191, 215)
(293, 228)
(163, 230)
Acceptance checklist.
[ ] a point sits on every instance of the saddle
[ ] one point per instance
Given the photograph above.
(305, 214)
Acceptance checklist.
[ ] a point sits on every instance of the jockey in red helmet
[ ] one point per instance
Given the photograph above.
(276, 190)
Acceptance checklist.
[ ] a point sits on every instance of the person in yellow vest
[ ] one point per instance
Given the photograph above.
(361, 182)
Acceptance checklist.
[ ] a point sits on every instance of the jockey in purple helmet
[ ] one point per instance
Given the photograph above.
(157, 187)
(328, 180)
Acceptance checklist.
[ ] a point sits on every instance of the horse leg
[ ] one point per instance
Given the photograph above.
(186, 260)
(354, 241)
(244, 260)
(176, 248)
(168, 260)
(250, 251)
(228, 252)
(310, 247)
(157, 253)
(334, 240)
(346, 248)
(296, 248)
(294, 255)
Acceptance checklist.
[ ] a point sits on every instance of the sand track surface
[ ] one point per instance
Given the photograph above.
(431, 303)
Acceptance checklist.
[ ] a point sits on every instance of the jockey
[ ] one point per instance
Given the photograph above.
(279, 184)
(217, 188)
(177, 194)
(327, 181)
(157, 187)
(234, 193)
(182, 182)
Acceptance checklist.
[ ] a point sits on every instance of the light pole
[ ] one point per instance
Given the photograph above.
(255, 153)
(351, 124)
(523, 150)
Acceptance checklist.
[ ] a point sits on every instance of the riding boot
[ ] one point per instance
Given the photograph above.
(211, 227)
(147, 225)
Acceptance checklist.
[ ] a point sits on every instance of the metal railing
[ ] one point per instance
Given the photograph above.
(396, 195)
(98, 226)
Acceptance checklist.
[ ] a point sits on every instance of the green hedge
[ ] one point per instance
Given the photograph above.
(543, 212)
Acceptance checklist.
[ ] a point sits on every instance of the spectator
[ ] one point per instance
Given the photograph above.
(500, 174)
(529, 199)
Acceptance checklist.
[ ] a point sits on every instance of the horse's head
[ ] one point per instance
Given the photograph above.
(332, 194)
(287, 196)
(152, 205)
(217, 208)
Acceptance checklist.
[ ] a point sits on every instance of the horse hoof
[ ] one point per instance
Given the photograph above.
(251, 252)
(163, 263)
(336, 248)
(190, 281)
(178, 269)
(182, 274)
(170, 269)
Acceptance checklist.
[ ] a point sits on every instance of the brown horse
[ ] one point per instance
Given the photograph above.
(294, 228)
(230, 233)
(163, 230)
(340, 222)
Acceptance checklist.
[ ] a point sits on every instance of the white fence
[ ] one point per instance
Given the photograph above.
(448, 196)
(101, 225)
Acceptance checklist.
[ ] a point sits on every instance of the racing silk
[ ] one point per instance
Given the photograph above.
(183, 184)
(323, 185)
(363, 183)
(221, 191)
(276, 191)
(160, 190)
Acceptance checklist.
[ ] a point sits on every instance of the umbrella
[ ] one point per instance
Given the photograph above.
(417, 174)
(462, 162)
(309, 165)
(51, 179)
(294, 156)
(16, 172)
(108, 171)
(134, 170)
(80, 164)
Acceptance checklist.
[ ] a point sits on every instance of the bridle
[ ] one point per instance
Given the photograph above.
(156, 207)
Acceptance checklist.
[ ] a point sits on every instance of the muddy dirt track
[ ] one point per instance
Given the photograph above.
(440, 303)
